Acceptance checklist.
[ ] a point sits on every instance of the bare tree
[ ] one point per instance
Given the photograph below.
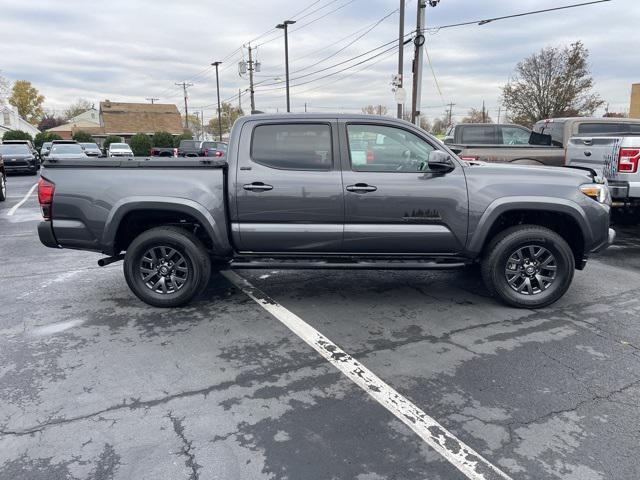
(75, 109)
(555, 82)
(375, 110)
(477, 116)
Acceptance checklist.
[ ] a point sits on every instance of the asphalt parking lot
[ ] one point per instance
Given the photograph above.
(96, 385)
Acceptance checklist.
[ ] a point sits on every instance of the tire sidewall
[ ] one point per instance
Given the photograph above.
(551, 241)
(185, 246)
(3, 188)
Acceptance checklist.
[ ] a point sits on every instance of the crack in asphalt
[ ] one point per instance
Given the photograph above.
(187, 446)
(246, 380)
(595, 398)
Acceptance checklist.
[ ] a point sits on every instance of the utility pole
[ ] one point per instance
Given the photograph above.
(216, 64)
(152, 100)
(418, 59)
(283, 26)
(450, 113)
(184, 86)
(251, 92)
(239, 101)
(400, 53)
(202, 123)
(499, 111)
(305, 107)
(484, 115)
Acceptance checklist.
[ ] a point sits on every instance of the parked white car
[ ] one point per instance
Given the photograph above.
(119, 150)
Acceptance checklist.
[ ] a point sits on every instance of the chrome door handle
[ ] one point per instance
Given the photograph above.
(257, 187)
(361, 188)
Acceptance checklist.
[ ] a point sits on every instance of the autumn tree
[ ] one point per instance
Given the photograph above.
(75, 109)
(374, 110)
(26, 98)
(477, 116)
(195, 125)
(49, 121)
(555, 82)
(228, 117)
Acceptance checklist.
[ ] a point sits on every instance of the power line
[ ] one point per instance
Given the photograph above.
(489, 20)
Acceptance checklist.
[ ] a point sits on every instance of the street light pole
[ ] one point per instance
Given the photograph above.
(283, 26)
(400, 53)
(216, 64)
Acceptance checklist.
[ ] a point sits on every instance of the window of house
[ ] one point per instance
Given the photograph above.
(302, 146)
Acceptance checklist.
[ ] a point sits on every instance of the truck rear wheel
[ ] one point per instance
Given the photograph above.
(3, 188)
(167, 267)
(528, 266)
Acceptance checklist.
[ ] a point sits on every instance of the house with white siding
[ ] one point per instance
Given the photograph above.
(10, 120)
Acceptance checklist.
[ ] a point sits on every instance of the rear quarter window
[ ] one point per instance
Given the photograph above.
(479, 134)
(595, 128)
(293, 146)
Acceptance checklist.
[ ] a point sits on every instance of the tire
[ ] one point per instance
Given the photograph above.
(524, 278)
(186, 272)
(3, 188)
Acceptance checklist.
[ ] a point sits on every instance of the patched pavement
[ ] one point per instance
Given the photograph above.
(96, 385)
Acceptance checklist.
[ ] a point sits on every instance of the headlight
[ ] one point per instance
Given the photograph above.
(600, 193)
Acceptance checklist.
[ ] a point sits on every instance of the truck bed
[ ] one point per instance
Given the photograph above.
(94, 199)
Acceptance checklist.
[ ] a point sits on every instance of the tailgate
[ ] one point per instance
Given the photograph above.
(598, 153)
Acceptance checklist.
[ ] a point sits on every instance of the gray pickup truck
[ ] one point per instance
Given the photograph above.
(327, 191)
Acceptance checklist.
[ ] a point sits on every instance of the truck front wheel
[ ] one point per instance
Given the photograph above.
(167, 267)
(528, 266)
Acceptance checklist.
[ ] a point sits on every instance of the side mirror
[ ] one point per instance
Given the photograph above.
(440, 162)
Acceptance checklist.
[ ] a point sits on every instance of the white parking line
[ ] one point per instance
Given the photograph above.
(21, 202)
(463, 457)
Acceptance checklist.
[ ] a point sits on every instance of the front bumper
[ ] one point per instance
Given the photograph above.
(20, 167)
(611, 237)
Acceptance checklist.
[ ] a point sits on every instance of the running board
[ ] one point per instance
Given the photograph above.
(307, 264)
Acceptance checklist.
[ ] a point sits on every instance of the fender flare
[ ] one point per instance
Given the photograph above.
(181, 205)
(541, 204)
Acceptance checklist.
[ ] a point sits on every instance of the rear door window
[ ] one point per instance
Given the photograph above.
(479, 134)
(303, 146)
(514, 136)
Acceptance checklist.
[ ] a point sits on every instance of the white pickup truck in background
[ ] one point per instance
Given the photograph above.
(616, 158)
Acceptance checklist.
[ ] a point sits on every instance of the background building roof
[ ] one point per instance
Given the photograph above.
(126, 118)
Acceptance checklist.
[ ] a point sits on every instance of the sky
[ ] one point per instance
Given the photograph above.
(131, 50)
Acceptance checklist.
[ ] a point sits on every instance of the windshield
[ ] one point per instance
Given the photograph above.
(119, 146)
(46, 145)
(14, 150)
(66, 149)
(90, 146)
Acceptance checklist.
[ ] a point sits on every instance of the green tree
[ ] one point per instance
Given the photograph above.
(187, 135)
(42, 137)
(82, 137)
(162, 140)
(555, 82)
(111, 139)
(228, 117)
(27, 100)
(17, 135)
(140, 144)
(75, 109)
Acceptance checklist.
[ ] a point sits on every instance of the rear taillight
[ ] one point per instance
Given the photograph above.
(219, 154)
(175, 152)
(45, 197)
(370, 156)
(628, 160)
(469, 158)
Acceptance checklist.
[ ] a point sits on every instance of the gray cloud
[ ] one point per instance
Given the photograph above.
(124, 50)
